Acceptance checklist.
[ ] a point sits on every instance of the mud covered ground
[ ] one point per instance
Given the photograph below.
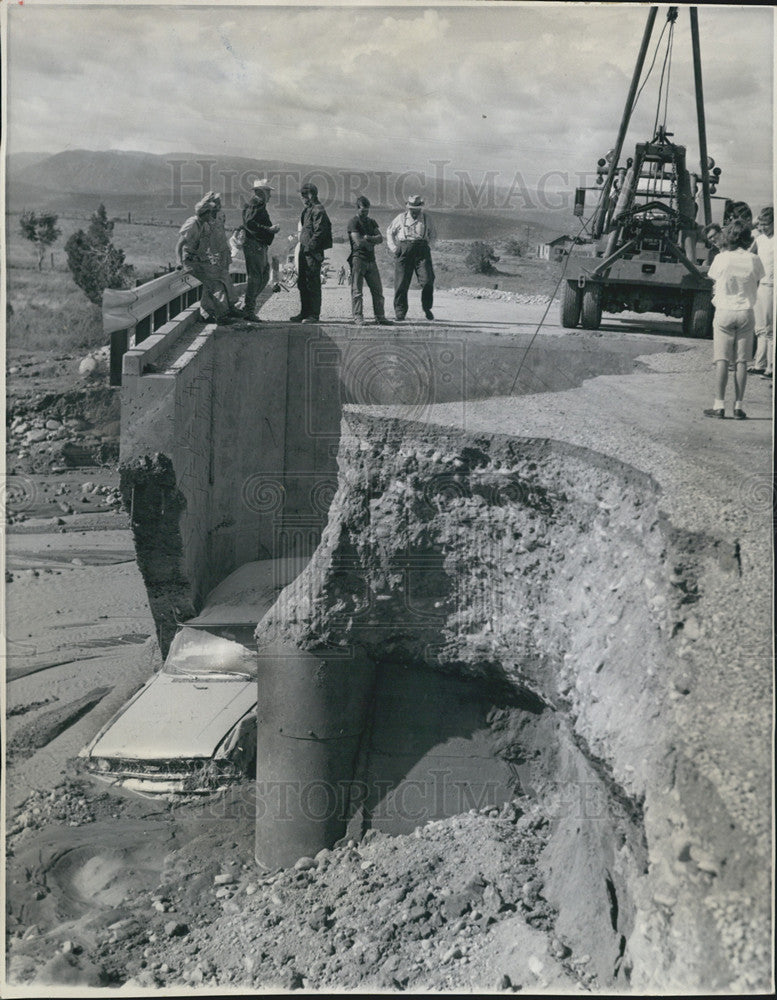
(118, 892)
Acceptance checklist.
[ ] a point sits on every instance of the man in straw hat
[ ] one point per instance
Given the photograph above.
(259, 234)
(409, 238)
(193, 253)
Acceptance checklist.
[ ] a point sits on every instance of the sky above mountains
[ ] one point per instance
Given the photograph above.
(529, 90)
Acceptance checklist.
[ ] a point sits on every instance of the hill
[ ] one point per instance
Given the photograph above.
(164, 187)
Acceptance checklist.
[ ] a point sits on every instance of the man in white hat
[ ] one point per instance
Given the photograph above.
(410, 237)
(193, 253)
(259, 234)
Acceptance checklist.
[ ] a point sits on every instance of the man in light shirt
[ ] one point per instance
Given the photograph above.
(736, 273)
(259, 234)
(764, 303)
(410, 237)
(193, 256)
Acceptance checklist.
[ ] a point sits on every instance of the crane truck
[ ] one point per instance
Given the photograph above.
(645, 236)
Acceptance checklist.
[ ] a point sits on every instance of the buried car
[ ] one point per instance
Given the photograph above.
(191, 728)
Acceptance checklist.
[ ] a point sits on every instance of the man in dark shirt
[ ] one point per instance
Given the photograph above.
(364, 235)
(315, 237)
(259, 234)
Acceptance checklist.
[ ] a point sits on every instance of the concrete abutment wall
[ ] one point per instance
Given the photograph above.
(243, 428)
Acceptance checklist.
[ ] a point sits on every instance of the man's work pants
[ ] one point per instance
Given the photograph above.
(215, 299)
(412, 258)
(361, 271)
(309, 283)
(257, 272)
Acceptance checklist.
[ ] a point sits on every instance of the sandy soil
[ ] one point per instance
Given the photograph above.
(106, 889)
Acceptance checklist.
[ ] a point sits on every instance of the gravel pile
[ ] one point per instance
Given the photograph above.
(495, 293)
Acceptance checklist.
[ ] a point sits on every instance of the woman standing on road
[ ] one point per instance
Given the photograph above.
(763, 245)
(736, 273)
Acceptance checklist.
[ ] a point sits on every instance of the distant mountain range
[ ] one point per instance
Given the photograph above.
(168, 185)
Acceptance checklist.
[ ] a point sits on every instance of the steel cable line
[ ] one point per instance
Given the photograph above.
(584, 226)
(652, 64)
(665, 70)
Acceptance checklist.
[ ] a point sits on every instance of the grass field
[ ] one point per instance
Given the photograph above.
(49, 312)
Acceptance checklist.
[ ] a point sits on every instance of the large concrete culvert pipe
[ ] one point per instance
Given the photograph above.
(312, 713)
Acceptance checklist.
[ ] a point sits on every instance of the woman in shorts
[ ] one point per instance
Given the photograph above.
(736, 273)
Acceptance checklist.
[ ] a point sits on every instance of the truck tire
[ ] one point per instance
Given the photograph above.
(571, 302)
(697, 316)
(591, 311)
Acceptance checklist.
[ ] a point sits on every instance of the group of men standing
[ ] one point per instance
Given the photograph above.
(203, 250)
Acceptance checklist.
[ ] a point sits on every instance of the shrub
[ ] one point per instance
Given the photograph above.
(94, 262)
(515, 247)
(481, 258)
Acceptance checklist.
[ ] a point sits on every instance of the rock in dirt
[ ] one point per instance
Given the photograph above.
(318, 918)
(175, 928)
(88, 368)
(452, 954)
(535, 965)
(456, 905)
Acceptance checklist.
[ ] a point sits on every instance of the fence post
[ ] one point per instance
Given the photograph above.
(119, 347)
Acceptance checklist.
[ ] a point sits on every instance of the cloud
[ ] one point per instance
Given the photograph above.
(378, 87)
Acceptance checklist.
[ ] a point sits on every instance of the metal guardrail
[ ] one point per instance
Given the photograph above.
(133, 314)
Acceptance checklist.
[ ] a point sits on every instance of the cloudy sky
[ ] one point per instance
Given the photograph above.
(528, 89)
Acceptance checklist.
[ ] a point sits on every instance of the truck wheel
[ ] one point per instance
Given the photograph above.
(571, 302)
(697, 317)
(591, 315)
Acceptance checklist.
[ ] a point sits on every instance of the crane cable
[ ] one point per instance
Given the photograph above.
(671, 17)
(583, 226)
(665, 70)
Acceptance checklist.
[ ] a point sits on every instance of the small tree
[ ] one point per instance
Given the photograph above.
(515, 247)
(94, 262)
(100, 228)
(40, 230)
(481, 258)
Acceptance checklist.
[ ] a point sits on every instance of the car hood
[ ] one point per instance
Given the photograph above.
(177, 717)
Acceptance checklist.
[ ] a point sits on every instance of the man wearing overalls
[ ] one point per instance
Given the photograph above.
(409, 238)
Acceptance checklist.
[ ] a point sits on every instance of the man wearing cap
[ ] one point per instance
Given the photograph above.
(315, 236)
(409, 238)
(193, 253)
(259, 234)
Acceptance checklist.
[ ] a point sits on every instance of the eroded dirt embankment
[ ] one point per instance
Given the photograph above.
(550, 567)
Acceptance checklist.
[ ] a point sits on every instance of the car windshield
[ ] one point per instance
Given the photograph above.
(212, 651)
